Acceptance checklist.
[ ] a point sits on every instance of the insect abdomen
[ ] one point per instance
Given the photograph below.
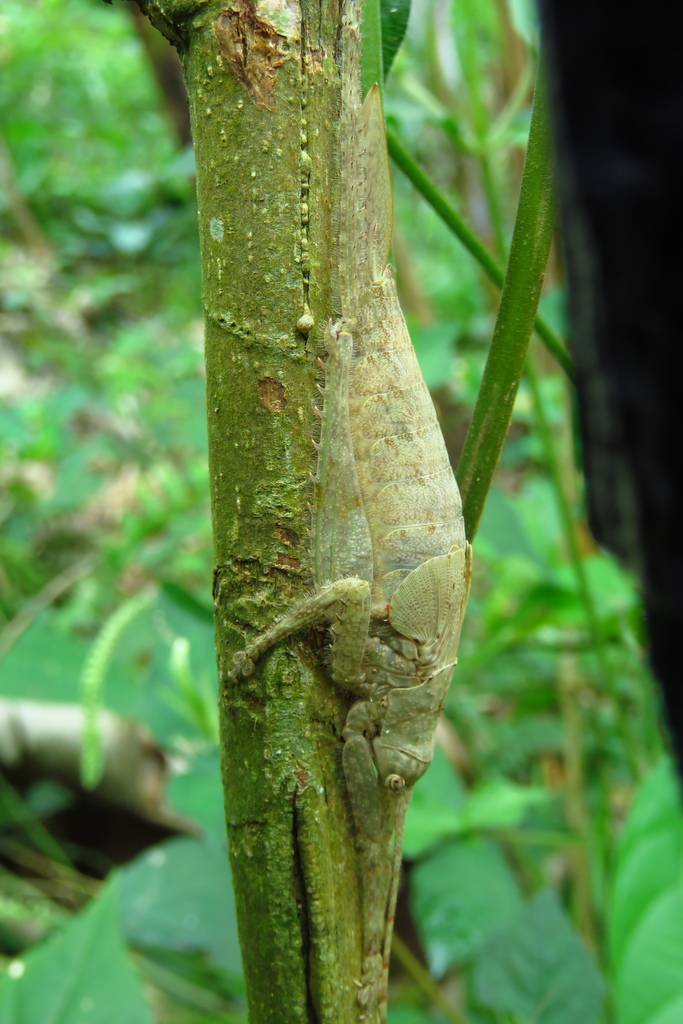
(409, 492)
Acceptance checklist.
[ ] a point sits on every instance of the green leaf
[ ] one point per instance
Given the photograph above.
(198, 793)
(45, 664)
(178, 895)
(81, 975)
(524, 17)
(188, 601)
(412, 1015)
(646, 906)
(460, 896)
(433, 810)
(383, 28)
(499, 804)
(371, 51)
(435, 353)
(613, 588)
(394, 15)
(440, 808)
(652, 835)
(502, 528)
(537, 969)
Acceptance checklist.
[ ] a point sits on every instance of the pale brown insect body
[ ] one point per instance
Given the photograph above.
(407, 485)
(390, 561)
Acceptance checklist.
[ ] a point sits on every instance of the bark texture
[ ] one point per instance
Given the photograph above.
(263, 85)
(619, 141)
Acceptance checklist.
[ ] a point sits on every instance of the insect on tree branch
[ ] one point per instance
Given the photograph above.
(390, 560)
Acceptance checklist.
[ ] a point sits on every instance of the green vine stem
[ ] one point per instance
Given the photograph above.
(452, 219)
(529, 250)
(467, 46)
(424, 981)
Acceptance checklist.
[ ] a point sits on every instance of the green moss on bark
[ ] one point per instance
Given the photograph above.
(264, 89)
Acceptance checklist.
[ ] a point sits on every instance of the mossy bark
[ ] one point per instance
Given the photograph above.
(263, 85)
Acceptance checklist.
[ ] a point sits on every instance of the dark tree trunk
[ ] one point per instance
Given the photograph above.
(617, 91)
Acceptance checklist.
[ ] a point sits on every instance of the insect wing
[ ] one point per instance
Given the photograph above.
(429, 604)
(378, 201)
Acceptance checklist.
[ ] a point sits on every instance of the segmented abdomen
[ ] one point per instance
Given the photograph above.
(409, 492)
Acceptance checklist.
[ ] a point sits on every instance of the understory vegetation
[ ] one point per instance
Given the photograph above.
(542, 853)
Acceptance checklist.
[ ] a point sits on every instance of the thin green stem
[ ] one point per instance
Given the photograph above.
(495, 215)
(536, 837)
(601, 816)
(522, 286)
(372, 63)
(425, 981)
(499, 128)
(452, 219)
(469, 53)
(37, 604)
(19, 812)
(569, 689)
(572, 542)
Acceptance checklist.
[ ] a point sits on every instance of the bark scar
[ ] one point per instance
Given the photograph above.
(252, 48)
(272, 393)
(286, 535)
(284, 561)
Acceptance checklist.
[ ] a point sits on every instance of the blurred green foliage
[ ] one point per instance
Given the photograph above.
(510, 840)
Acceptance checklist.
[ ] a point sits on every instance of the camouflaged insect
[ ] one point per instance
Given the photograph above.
(390, 559)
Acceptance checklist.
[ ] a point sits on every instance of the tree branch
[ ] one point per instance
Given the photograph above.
(264, 91)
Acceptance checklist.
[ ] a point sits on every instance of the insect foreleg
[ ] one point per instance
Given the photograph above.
(378, 810)
(359, 770)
